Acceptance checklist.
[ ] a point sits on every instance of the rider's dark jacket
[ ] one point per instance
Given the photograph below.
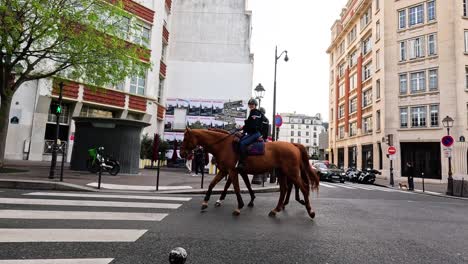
(253, 123)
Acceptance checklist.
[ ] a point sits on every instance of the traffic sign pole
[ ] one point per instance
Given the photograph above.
(57, 112)
(391, 151)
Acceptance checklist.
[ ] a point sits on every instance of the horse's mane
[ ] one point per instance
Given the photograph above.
(218, 130)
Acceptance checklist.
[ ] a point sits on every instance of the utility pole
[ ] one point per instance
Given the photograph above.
(57, 111)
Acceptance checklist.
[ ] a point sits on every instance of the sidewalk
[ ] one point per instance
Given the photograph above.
(170, 180)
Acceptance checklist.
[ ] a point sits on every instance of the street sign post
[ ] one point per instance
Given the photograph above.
(391, 150)
(447, 151)
(447, 141)
(278, 121)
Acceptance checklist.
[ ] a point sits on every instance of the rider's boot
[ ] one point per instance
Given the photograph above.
(241, 163)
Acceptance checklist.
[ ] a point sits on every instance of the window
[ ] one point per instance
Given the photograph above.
(299, 134)
(332, 76)
(466, 77)
(366, 46)
(120, 86)
(431, 11)
(292, 133)
(367, 98)
(161, 90)
(418, 82)
(433, 80)
(352, 35)
(315, 135)
(353, 105)
(352, 129)
(353, 82)
(292, 126)
(367, 71)
(292, 140)
(377, 120)
(163, 51)
(366, 18)
(341, 69)
(377, 5)
(307, 126)
(403, 83)
(64, 117)
(341, 111)
(341, 90)
(434, 115)
(342, 47)
(353, 58)
(466, 41)
(142, 35)
(377, 89)
(307, 133)
(416, 15)
(341, 132)
(416, 48)
(377, 30)
(418, 116)
(404, 117)
(331, 58)
(432, 45)
(377, 60)
(307, 141)
(465, 8)
(87, 111)
(402, 51)
(137, 85)
(367, 122)
(402, 19)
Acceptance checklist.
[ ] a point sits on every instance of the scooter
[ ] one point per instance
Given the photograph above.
(98, 160)
(352, 174)
(368, 176)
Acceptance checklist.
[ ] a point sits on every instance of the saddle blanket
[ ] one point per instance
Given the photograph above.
(256, 149)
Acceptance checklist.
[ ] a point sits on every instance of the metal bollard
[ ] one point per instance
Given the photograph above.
(100, 174)
(422, 176)
(157, 174)
(64, 157)
(462, 184)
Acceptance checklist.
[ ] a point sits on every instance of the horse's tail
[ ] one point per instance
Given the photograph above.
(313, 176)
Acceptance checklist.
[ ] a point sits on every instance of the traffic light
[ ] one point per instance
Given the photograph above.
(58, 109)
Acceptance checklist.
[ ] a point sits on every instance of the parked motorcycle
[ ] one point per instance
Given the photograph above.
(98, 160)
(368, 176)
(352, 174)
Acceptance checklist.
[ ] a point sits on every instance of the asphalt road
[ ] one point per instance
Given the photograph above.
(353, 225)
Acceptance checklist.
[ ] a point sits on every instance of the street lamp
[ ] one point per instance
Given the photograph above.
(273, 127)
(259, 93)
(448, 123)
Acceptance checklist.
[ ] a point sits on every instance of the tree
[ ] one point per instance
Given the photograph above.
(81, 40)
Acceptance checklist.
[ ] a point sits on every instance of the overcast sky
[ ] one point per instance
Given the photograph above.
(302, 27)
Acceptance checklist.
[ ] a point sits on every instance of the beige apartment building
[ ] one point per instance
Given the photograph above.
(397, 68)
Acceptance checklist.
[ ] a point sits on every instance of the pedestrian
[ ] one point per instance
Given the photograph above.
(410, 170)
(188, 163)
(199, 161)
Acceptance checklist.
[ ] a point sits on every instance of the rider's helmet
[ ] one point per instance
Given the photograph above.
(253, 102)
(262, 110)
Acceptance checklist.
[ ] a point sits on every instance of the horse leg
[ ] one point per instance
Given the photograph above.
(223, 194)
(283, 188)
(288, 195)
(235, 182)
(305, 189)
(298, 198)
(245, 177)
(213, 183)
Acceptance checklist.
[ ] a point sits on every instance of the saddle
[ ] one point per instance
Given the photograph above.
(254, 149)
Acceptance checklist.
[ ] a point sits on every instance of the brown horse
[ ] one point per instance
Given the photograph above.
(288, 158)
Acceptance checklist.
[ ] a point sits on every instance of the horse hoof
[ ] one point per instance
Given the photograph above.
(204, 206)
(251, 204)
(272, 214)
(236, 212)
(217, 204)
(312, 214)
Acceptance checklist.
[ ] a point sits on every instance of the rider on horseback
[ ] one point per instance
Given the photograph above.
(252, 132)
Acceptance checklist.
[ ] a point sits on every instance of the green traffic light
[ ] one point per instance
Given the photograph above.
(59, 109)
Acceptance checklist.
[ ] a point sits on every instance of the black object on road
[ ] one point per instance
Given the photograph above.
(178, 256)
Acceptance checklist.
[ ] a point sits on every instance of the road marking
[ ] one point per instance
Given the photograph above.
(80, 215)
(347, 187)
(12, 235)
(136, 197)
(88, 203)
(137, 187)
(365, 188)
(57, 261)
(327, 185)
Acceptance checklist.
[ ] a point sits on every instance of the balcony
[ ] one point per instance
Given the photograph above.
(162, 69)
(168, 5)
(165, 35)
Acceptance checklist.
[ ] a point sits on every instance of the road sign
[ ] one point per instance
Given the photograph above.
(233, 104)
(447, 141)
(391, 150)
(447, 152)
(278, 121)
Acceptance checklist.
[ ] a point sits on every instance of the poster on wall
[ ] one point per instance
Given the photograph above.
(192, 120)
(206, 108)
(194, 108)
(218, 107)
(206, 122)
(171, 104)
(168, 123)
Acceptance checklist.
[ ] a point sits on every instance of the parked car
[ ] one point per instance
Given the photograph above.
(329, 172)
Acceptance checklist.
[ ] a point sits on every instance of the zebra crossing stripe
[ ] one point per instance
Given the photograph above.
(347, 187)
(13, 235)
(327, 185)
(365, 188)
(111, 186)
(88, 203)
(80, 215)
(135, 197)
(57, 261)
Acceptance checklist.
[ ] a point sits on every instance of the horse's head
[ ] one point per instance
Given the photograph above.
(189, 143)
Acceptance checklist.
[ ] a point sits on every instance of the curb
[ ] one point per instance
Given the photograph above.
(42, 185)
(427, 193)
(63, 186)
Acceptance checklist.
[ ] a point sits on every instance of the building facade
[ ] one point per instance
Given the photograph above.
(31, 135)
(303, 129)
(397, 68)
(210, 62)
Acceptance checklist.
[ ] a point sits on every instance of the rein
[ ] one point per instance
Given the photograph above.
(224, 138)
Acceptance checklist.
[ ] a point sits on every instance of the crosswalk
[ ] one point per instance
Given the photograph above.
(86, 210)
(359, 187)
